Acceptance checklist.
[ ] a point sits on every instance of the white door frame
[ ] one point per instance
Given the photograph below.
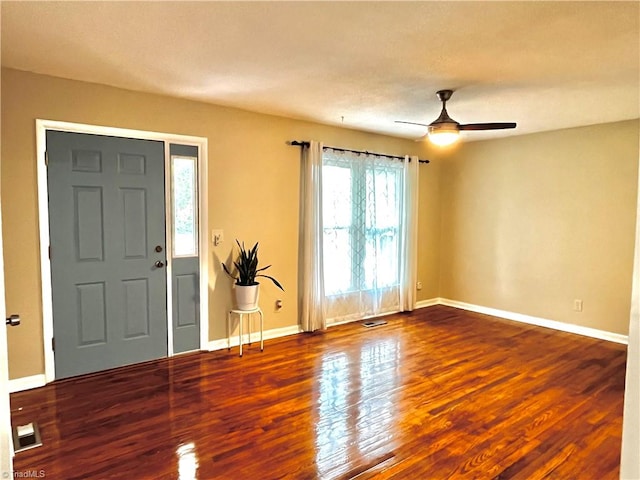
(630, 450)
(43, 213)
(6, 442)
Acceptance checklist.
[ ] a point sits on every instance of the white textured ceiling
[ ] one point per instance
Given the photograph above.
(545, 65)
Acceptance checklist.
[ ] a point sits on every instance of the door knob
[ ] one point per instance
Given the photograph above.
(13, 320)
(159, 264)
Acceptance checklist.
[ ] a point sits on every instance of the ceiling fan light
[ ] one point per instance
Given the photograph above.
(443, 135)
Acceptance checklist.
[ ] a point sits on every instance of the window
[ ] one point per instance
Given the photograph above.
(185, 206)
(362, 205)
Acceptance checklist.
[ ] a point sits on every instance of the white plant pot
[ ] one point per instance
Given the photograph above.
(247, 296)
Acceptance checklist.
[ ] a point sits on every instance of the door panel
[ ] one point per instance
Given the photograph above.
(186, 304)
(106, 215)
(134, 213)
(92, 317)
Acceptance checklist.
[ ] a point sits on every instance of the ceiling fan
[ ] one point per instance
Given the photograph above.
(444, 130)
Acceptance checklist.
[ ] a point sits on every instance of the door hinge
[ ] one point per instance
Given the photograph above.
(46, 159)
(53, 344)
(49, 252)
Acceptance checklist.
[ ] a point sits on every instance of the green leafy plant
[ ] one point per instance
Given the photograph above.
(247, 267)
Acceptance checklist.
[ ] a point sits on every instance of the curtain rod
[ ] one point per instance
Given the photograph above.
(296, 143)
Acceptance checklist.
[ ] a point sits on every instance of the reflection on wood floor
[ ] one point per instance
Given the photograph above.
(435, 394)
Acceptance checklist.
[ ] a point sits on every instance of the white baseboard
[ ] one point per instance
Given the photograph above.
(540, 322)
(428, 303)
(255, 337)
(531, 320)
(26, 383)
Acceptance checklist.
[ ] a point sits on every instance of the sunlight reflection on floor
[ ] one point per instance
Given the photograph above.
(356, 427)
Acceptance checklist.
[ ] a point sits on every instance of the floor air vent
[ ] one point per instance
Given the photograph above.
(26, 437)
(374, 323)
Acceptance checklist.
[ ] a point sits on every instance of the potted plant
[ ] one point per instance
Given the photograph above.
(247, 270)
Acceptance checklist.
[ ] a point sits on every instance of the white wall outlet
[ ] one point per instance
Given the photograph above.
(217, 237)
(577, 305)
(418, 285)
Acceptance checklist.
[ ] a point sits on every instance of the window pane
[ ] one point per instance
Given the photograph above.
(383, 198)
(381, 262)
(185, 227)
(337, 219)
(338, 275)
(336, 196)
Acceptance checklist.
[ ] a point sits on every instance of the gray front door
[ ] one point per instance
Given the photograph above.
(107, 229)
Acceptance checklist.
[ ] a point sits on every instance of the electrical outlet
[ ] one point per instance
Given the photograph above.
(418, 285)
(577, 305)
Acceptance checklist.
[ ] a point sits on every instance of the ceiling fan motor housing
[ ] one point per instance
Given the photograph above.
(438, 127)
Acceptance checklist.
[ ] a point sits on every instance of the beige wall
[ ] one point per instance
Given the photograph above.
(525, 224)
(530, 223)
(245, 149)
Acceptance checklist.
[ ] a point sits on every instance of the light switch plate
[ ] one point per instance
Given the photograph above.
(217, 237)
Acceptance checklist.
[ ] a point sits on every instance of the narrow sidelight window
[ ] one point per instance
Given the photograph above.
(184, 205)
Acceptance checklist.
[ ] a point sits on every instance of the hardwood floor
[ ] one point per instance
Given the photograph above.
(436, 394)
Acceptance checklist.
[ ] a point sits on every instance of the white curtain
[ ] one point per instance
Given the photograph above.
(409, 248)
(312, 297)
(370, 234)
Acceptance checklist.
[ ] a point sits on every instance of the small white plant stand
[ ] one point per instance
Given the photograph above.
(241, 314)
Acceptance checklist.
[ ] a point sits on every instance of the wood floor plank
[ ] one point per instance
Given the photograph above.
(434, 394)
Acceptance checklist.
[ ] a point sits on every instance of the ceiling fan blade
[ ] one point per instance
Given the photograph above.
(488, 126)
(413, 123)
